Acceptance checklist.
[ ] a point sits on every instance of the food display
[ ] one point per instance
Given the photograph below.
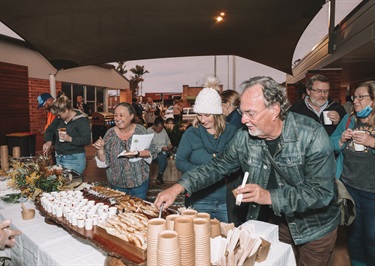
(113, 220)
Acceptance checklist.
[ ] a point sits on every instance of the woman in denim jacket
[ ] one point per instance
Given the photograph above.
(356, 169)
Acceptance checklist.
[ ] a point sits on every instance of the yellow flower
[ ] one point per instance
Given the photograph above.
(34, 178)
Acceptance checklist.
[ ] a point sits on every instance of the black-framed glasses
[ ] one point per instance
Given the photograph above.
(326, 92)
(251, 114)
(360, 97)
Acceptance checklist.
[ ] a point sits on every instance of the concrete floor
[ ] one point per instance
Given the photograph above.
(94, 174)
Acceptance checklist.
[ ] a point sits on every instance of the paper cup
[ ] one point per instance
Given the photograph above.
(201, 227)
(190, 213)
(59, 211)
(215, 228)
(326, 119)
(359, 147)
(205, 215)
(155, 226)
(62, 131)
(80, 222)
(183, 225)
(170, 221)
(168, 241)
(88, 224)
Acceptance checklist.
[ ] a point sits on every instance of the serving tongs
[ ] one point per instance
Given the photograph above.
(161, 209)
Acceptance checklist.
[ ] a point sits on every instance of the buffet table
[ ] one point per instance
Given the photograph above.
(44, 244)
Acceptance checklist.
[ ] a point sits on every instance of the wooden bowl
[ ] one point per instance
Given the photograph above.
(28, 214)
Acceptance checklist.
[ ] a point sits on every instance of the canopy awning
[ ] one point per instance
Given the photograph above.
(74, 33)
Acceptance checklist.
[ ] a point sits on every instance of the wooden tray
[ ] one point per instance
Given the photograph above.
(114, 246)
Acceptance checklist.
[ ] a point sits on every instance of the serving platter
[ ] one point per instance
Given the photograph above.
(129, 253)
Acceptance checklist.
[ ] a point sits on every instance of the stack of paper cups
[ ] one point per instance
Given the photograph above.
(202, 242)
(184, 226)
(154, 227)
(206, 216)
(168, 251)
(16, 152)
(215, 228)
(4, 157)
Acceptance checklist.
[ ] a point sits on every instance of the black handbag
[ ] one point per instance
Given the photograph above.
(344, 201)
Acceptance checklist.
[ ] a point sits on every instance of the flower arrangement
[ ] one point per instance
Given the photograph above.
(36, 177)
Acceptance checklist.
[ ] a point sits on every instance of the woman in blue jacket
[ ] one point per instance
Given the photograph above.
(199, 144)
(356, 169)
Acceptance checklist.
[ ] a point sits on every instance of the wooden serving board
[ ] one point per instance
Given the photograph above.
(114, 246)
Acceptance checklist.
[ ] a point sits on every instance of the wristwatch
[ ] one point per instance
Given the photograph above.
(137, 154)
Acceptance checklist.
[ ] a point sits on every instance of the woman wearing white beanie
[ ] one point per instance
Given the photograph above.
(201, 142)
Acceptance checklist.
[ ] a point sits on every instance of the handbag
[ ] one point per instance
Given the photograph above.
(344, 201)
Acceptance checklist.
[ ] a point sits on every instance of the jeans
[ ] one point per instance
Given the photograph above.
(75, 161)
(162, 161)
(216, 209)
(361, 233)
(140, 192)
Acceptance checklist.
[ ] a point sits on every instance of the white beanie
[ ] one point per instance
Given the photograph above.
(208, 101)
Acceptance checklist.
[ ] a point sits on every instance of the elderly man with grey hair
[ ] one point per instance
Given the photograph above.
(299, 193)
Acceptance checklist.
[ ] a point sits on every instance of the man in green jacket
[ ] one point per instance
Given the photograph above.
(300, 196)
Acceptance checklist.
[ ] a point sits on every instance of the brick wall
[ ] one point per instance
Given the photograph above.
(337, 93)
(13, 100)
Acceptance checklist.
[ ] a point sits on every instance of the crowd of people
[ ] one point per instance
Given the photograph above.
(291, 154)
(292, 157)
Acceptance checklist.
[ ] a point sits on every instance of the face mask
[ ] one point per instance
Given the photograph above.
(365, 112)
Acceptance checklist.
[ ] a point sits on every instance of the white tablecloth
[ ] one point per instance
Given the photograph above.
(42, 244)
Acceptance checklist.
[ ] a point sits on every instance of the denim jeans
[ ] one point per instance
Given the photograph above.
(75, 161)
(216, 209)
(361, 233)
(162, 161)
(140, 192)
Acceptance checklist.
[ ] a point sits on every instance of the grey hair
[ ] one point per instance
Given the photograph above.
(273, 93)
(317, 77)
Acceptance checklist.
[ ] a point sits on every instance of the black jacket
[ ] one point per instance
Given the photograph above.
(302, 108)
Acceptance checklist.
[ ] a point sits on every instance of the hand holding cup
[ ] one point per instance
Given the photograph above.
(62, 134)
(361, 139)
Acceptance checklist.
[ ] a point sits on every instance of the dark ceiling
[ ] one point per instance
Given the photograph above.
(76, 33)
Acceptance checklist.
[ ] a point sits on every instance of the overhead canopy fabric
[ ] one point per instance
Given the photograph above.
(74, 33)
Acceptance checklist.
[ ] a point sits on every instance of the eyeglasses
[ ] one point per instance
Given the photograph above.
(359, 97)
(321, 91)
(250, 114)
